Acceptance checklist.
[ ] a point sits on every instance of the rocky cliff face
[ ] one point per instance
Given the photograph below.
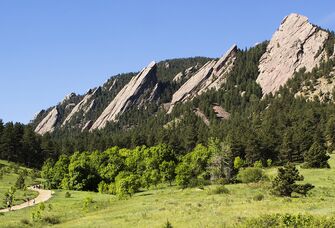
(211, 76)
(127, 96)
(85, 105)
(48, 123)
(296, 44)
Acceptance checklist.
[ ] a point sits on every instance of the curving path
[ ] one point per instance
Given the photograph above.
(43, 196)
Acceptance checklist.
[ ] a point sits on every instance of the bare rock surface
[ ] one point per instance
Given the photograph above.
(296, 44)
(87, 125)
(48, 123)
(127, 96)
(83, 105)
(212, 75)
(220, 112)
(202, 116)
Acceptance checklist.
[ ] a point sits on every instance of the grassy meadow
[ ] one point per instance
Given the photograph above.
(8, 179)
(191, 207)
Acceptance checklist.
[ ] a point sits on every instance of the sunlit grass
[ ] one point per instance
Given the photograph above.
(186, 208)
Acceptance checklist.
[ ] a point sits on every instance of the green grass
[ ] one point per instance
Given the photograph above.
(185, 208)
(9, 178)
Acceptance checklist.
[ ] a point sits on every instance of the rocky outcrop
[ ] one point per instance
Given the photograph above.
(202, 116)
(48, 123)
(128, 96)
(296, 44)
(87, 126)
(68, 98)
(211, 76)
(220, 112)
(178, 77)
(184, 75)
(84, 105)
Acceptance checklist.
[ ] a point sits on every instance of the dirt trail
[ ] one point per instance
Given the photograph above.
(43, 196)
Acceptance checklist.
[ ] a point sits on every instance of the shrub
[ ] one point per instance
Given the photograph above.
(25, 221)
(87, 202)
(20, 181)
(103, 187)
(289, 220)
(51, 220)
(258, 197)
(167, 225)
(218, 190)
(67, 195)
(258, 164)
(250, 174)
(238, 162)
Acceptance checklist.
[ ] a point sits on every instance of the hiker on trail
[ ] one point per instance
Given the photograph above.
(8, 205)
(28, 201)
(33, 201)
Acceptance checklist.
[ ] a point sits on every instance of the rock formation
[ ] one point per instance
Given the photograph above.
(296, 44)
(202, 116)
(211, 76)
(48, 123)
(220, 112)
(84, 105)
(68, 97)
(184, 75)
(128, 96)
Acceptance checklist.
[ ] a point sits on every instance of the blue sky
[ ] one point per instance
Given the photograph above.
(51, 48)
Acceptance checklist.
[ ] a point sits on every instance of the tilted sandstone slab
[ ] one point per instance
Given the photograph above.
(83, 105)
(212, 75)
(48, 123)
(296, 44)
(202, 116)
(220, 112)
(127, 96)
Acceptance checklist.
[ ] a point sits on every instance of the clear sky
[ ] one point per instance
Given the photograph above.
(51, 48)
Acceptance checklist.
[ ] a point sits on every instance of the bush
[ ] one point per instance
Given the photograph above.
(25, 221)
(250, 174)
(51, 220)
(19, 184)
(87, 202)
(67, 195)
(289, 220)
(103, 187)
(218, 190)
(258, 197)
(258, 164)
(167, 225)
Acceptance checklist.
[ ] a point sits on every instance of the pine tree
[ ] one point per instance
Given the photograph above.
(316, 156)
(284, 184)
(287, 149)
